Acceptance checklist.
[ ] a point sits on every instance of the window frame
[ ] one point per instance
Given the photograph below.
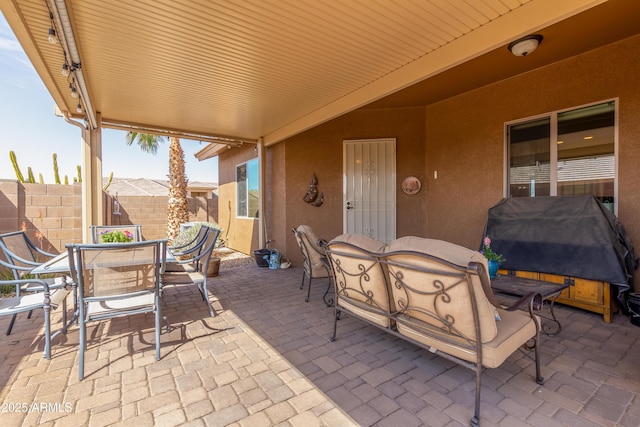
(553, 142)
(245, 214)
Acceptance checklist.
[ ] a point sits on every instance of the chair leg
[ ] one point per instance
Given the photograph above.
(83, 342)
(13, 320)
(47, 326)
(158, 325)
(336, 315)
(475, 420)
(304, 274)
(205, 295)
(539, 378)
(328, 301)
(309, 290)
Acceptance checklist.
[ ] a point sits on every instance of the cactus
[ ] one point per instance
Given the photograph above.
(41, 178)
(30, 178)
(56, 175)
(14, 161)
(79, 174)
(66, 180)
(104, 188)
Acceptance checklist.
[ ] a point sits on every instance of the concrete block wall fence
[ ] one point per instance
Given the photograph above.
(51, 214)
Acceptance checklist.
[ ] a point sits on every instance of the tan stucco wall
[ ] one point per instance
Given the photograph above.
(319, 151)
(465, 137)
(462, 138)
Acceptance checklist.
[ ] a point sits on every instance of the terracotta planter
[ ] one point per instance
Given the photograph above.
(214, 267)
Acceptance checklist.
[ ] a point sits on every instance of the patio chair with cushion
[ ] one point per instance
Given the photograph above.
(187, 251)
(314, 260)
(46, 300)
(134, 230)
(22, 256)
(117, 280)
(200, 264)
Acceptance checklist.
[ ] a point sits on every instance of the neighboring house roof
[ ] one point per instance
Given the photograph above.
(150, 187)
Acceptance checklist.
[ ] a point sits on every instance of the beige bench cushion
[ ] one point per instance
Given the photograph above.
(439, 291)
(360, 278)
(515, 329)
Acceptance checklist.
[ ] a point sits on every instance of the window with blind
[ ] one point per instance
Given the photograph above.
(571, 152)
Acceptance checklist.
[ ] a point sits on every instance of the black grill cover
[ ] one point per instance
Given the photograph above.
(569, 235)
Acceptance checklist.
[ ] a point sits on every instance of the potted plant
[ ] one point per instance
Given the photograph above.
(493, 258)
(116, 236)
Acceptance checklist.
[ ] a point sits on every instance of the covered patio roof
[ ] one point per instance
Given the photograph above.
(231, 72)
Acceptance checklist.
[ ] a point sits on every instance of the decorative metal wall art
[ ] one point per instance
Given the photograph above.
(312, 197)
(411, 185)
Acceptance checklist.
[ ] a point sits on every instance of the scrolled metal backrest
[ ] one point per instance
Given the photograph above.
(116, 269)
(358, 275)
(440, 294)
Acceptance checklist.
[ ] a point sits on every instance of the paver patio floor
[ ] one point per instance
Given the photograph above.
(266, 359)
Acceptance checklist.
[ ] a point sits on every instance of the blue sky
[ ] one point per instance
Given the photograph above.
(29, 128)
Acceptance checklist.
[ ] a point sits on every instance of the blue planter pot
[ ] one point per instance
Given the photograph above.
(493, 268)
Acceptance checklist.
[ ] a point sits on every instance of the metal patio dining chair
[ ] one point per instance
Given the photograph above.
(200, 264)
(117, 280)
(135, 231)
(22, 256)
(46, 300)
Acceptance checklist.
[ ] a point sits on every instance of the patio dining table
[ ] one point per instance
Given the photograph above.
(60, 265)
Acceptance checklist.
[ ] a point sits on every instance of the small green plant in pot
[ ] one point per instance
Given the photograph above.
(109, 236)
(493, 259)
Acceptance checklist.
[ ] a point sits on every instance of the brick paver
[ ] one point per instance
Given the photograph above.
(266, 359)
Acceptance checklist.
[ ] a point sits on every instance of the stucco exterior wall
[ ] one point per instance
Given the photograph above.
(319, 150)
(465, 137)
(462, 138)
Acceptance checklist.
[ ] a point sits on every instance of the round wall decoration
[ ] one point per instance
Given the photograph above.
(411, 185)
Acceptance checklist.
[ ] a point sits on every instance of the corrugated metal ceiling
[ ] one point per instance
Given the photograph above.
(250, 69)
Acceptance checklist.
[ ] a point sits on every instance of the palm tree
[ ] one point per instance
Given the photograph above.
(177, 206)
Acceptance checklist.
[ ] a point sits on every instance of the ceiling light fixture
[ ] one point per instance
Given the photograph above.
(525, 45)
(52, 36)
(65, 70)
(79, 108)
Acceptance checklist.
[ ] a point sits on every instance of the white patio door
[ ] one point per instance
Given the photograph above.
(369, 188)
